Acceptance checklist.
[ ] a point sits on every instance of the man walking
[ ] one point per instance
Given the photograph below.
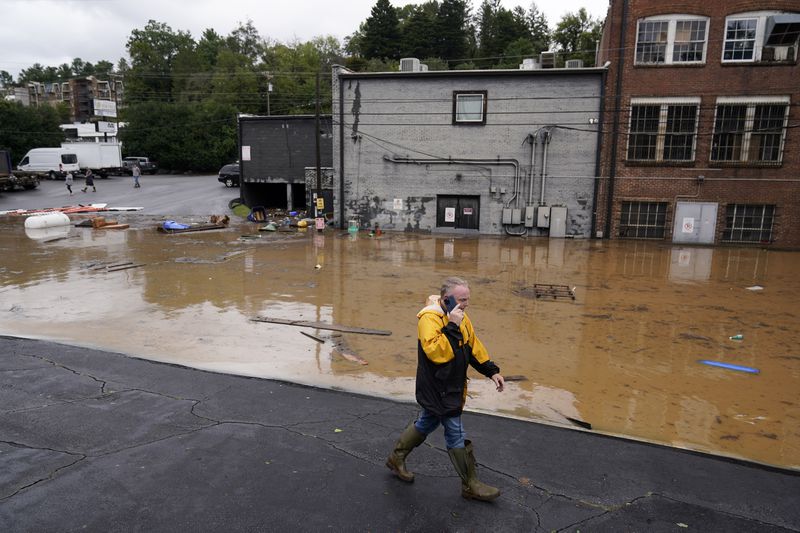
(137, 172)
(88, 181)
(446, 345)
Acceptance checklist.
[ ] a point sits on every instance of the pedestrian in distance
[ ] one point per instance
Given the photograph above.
(89, 181)
(67, 178)
(446, 346)
(137, 172)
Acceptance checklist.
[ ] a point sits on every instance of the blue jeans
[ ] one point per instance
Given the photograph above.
(453, 429)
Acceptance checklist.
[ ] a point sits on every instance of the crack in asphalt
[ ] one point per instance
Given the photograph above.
(79, 458)
(291, 428)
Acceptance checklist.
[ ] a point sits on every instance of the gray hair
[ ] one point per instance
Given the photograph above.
(450, 283)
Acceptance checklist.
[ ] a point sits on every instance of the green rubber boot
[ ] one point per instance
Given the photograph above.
(409, 439)
(471, 488)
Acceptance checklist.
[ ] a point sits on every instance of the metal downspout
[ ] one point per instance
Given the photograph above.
(597, 158)
(615, 130)
(341, 154)
(545, 146)
(534, 140)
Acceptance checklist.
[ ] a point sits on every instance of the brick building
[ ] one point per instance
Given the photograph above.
(483, 151)
(700, 138)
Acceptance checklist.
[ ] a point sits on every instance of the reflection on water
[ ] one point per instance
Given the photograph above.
(622, 356)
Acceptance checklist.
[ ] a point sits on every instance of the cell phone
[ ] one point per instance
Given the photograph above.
(450, 303)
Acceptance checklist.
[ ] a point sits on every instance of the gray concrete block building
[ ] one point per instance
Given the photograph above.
(486, 151)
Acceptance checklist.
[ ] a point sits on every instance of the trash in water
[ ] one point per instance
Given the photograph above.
(736, 337)
(730, 366)
(755, 288)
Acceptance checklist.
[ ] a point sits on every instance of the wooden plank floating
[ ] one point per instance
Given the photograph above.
(321, 325)
(126, 267)
(310, 336)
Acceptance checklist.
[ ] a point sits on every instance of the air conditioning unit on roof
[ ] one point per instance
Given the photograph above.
(548, 59)
(409, 64)
(529, 63)
(574, 63)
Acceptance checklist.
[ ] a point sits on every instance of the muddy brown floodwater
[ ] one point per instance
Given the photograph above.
(624, 355)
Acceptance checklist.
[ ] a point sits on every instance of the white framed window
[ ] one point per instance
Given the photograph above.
(748, 223)
(671, 39)
(469, 107)
(663, 130)
(740, 39)
(761, 36)
(750, 130)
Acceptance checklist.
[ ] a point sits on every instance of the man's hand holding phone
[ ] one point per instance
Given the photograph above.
(454, 312)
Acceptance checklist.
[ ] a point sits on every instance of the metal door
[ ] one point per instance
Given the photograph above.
(458, 212)
(695, 222)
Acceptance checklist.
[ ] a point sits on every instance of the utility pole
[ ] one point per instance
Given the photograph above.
(319, 207)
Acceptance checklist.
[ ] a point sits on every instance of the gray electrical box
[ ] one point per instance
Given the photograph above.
(558, 221)
(516, 216)
(530, 213)
(543, 216)
(506, 216)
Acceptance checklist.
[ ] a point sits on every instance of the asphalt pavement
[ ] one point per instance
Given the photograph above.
(98, 441)
(159, 195)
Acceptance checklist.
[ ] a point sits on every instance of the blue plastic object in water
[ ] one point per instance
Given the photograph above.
(730, 366)
(171, 224)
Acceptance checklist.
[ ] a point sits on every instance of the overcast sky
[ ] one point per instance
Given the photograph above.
(52, 32)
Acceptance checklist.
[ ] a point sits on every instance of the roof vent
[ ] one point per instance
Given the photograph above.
(548, 59)
(409, 64)
(574, 63)
(529, 63)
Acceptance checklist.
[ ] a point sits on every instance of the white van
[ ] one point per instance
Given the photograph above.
(50, 162)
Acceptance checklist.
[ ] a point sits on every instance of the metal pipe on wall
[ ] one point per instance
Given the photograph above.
(533, 139)
(545, 144)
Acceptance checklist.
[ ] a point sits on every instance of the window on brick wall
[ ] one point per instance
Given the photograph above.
(676, 39)
(469, 107)
(643, 220)
(749, 130)
(748, 223)
(663, 130)
(761, 36)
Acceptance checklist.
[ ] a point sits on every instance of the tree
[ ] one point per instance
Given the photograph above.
(452, 30)
(6, 79)
(245, 40)
(418, 31)
(498, 28)
(200, 137)
(152, 51)
(24, 127)
(381, 37)
(103, 69)
(576, 35)
(540, 30)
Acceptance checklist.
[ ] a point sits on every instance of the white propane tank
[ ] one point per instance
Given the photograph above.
(48, 220)
(52, 233)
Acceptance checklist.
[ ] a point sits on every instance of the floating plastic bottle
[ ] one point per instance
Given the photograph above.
(737, 337)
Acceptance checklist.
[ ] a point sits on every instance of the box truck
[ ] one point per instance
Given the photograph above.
(52, 163)
(103, 158)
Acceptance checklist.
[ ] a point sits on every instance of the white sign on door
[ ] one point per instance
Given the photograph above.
(688, 225)
(398, 204)
(449, 214)
(245, 153)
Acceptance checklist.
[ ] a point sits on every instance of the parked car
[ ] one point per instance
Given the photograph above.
(229, 175)
(145, 165)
